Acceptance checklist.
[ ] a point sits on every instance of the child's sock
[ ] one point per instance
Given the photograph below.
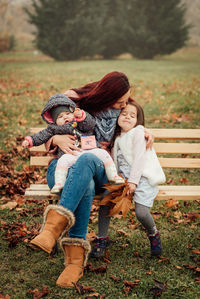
(112, 174)
(60, 178)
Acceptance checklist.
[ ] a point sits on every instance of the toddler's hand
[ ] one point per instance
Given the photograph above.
(131, 188)
(78, 113)
(25, 143)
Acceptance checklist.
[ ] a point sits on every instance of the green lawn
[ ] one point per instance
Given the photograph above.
(169, 90)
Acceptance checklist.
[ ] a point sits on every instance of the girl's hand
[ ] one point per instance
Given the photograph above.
(25, 143)
(149, 137)
(131, 188)
(104, 145)
(78, 113)
(66, 143)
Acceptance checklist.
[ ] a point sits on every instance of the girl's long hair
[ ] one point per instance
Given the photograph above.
(140, 119)
(101, 95)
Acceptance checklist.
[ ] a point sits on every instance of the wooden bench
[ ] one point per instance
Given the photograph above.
(177, 149)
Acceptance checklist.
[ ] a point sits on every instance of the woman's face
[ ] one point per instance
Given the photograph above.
(127, 118)
(121, 103)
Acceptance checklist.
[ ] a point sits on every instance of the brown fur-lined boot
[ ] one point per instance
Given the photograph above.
(76, 253)
(57, 220)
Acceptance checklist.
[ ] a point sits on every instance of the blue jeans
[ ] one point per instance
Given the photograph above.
(85, 177)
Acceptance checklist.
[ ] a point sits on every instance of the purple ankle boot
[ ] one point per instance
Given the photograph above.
(155, 241)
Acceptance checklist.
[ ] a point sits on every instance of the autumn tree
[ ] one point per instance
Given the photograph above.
(156, 27)
(69, 29)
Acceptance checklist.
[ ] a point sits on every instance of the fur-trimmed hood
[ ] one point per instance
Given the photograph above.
(58, 99)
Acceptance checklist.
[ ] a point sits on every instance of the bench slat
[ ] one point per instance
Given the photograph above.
(179, 163)
(165, 162)
(185, 134)
(166, 192)
(161, 148)
(177, 148)
(45, 187)
(38, 149)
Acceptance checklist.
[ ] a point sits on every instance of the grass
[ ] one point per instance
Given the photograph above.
(168, 88)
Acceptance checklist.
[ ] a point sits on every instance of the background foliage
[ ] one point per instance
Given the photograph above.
(68, 30)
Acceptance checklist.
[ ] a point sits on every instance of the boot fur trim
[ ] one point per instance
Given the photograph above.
(62, 211)
(77, 242)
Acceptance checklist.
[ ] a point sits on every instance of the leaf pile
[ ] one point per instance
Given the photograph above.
(12, 181)
(18, 232)
(117, 199)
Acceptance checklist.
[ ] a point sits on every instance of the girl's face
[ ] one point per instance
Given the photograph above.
(121, 103)
(127, 118)
(64, 118)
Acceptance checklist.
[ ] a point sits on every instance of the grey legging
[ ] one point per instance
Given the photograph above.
(142, 213)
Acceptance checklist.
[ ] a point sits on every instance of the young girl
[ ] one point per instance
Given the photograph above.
(143, 171)
(63, 117)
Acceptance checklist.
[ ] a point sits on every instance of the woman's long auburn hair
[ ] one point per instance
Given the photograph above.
(101, 95)
(140, 119)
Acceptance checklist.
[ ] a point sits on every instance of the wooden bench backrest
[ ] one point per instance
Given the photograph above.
(173, 142)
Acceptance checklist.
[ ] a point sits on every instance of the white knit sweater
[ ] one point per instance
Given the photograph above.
(142, 162)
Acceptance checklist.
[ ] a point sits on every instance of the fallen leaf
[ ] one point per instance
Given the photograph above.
(4, 297)
(91, 235)
(196, 251)
(197, 280)
(98, 270)
(184, 180)
(115, 278)
(171, 203)
(83, 289)
(39, 294)
(96, 295)
(159, 289)
(149, 272)
(9, 205)
(122, 232)
(131, 284)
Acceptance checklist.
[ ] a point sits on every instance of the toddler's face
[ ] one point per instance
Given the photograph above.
(128, 118)
(64, 118)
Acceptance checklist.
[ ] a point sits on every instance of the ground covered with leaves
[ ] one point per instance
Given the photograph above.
(169, 91)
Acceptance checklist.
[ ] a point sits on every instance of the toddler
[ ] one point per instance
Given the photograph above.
(142, 169)
(64, 118)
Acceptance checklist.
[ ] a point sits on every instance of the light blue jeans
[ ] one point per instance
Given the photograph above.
(85, 178)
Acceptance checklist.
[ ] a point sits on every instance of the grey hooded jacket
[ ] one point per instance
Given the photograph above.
(84, 127)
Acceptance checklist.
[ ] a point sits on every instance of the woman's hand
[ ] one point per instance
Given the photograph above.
(66, 143)
(149, 137)
(131, 188)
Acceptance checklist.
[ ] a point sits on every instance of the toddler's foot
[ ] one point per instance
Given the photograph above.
(155, 242)
(100, 247)
(117, 180)
(56, 189)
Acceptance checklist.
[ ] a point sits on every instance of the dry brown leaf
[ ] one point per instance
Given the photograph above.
(39, 294)
(121, 206)
(118, 199)
(196, 251)
(91, 235)
(4, 297)
(9, 205)
(171, 203)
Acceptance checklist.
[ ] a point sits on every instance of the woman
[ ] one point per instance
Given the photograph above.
(104, 99)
